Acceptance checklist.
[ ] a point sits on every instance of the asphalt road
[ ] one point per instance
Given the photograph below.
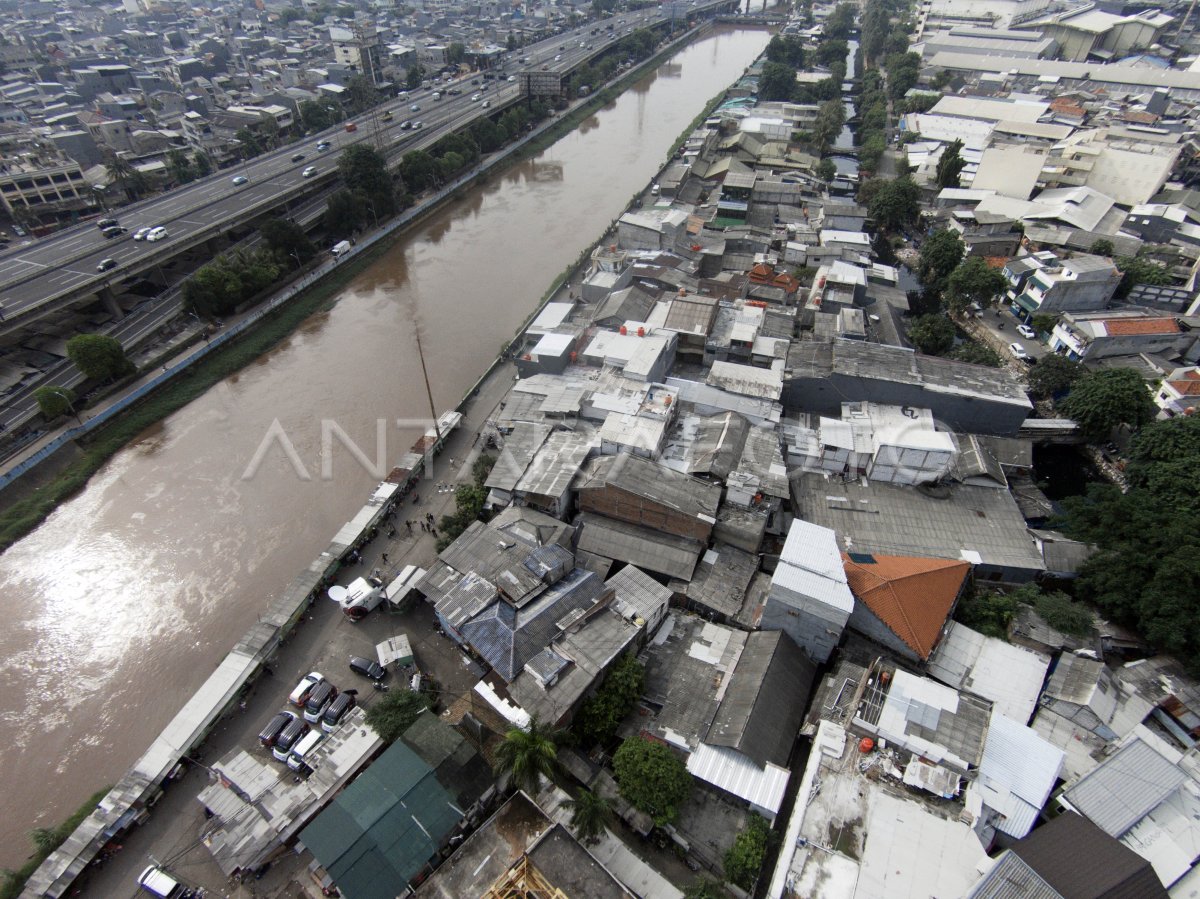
(43, 269)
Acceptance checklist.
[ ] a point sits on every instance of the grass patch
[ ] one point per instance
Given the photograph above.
(45, 841)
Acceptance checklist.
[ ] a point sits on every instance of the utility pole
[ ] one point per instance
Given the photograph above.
(437, 430)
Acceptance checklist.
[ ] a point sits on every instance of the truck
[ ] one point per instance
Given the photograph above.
(157, 882)
(357, 599)
(339, 249)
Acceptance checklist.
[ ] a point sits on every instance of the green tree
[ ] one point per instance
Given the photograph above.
(988, 612)
(1137, 270)
(55, 401)
(940, 255)
(603, 711)
(1052, 375)
(895, 203)
(527, 755)
(1100, 401)
(456, 53)
(287, 241)
(1064, 614)
(590, 815)
(343, 214)
(394, 712)
(826, 170)
(202, 164)
(903, 71)
(777, 82)
(99, 356)
(122, 173)
(220, 286)
(840, 22)
(248, 143)
(786, 49)
(1044, 322)
(365, 171)
(653, 778)
(950, 164)
(1102, 247)
(414, 77)
(468, 507)
(314, 116)
(932, 334)
(362, 93)
(704, 888)
(976, 354)
(180, 166)
(974, 281)
(744, 858)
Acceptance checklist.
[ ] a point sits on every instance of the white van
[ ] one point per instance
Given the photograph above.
(301, 750)
(158, 882)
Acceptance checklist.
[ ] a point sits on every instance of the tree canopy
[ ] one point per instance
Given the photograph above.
(932, 334)
(744, 858)
(287, 241)
(590, 814)
(99, 356)
(54, 401)
(344, 214)
(394, 712)
(653, 778)
(1137, 270)
(1053, 375)
(1102, 400)
(973, 281)
(940, 255)
(603, 711)
(229, 280)
(777, 82)
(950, 164)
(365, 171)
(787, 49)
(1144, 573)
(894, 203)
(527, 755)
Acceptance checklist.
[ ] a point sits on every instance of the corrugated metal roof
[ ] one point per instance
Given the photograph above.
(555, 465)
(1122, 790)
(1016, 774)
(737, 774)
(646, 548)
(654, 482)
(1010, 676)
(638, 594)
(1011, 878)
(810, 567)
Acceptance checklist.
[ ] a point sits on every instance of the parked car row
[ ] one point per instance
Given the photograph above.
(318, 709)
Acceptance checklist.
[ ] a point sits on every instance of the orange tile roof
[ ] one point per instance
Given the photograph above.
(1186, 386)
(913, 596)
(1119, 327)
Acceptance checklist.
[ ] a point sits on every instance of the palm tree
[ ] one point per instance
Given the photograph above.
(528, 755)
(126, 176)
(590, 815)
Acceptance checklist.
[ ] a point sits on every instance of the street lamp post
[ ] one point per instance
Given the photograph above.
(70, 405)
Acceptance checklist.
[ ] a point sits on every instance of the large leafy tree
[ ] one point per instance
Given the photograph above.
(894, 203)
(365, 171)
(973, 281)
(1053, 375)
(1137, 270)
(54, 401)
(744, 858)
(180, 166)
(99, 356)
(344, 214)
(786, 49)
(394, 712)
(653, 778)
(777, 82)
(287, 241)
(950, 165)
(1102, 400)
(528, 754)
(603, 712)
(1144, 573)
(940, 255)
(229, 280)
(932, 334)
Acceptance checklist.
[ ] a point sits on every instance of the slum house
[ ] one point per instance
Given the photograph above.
(903, 602)
(639, 598)
(553, 684)
(1069, 858)
(720, 585)
(819, 377)
(520, 851)
(1008, 676)
(1147, 796)
(1162, 681)
(955, 521)
(705, 446)
(546, 482)
(731, 702)
(384, 833)
(691, 317)
(1084, 710)
(810, 598)
(610, 271)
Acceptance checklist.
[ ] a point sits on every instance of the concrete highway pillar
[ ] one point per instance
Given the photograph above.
(213, 245)
(110, 302)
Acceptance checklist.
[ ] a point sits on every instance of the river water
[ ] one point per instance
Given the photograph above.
(122, 603)
(847, 165)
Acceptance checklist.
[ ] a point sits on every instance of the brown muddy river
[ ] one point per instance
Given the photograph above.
(122, 603)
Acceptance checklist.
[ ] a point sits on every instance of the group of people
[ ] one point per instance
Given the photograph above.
(426, 523)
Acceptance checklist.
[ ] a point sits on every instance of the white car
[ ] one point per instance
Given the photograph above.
(1027, 332)
(299, 696)
(156, 234)
(309, 172)
(1018, 351)
(141, 233)
(240, 180)
(476, 98)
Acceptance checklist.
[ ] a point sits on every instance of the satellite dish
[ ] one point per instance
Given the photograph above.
(338, 594)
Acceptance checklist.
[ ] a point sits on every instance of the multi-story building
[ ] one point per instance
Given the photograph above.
(1129, 166)
(1082, 283)
(361, 49)
(1179, 392)
(1125, 333)
(985, 13)
(39, 191)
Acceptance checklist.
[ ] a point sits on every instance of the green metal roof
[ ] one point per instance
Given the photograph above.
(379, 833)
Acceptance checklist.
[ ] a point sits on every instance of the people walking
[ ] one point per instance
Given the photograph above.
(384, 556)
